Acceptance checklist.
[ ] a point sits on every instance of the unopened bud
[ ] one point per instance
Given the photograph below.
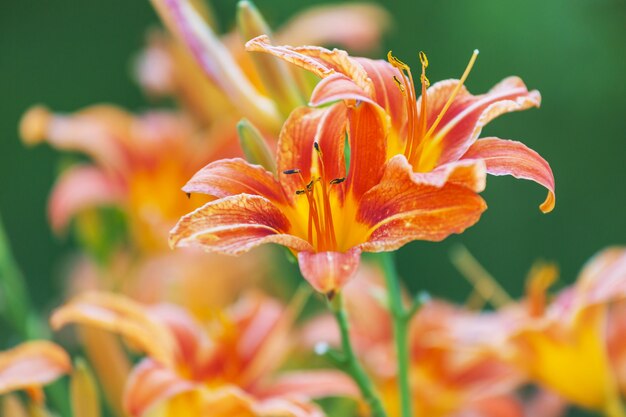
(254, 146)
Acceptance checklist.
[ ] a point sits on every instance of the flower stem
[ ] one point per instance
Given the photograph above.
(401, 319)
(351, 364)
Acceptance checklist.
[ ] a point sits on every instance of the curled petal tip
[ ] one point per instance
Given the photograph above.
(34, 125)
(548, 205)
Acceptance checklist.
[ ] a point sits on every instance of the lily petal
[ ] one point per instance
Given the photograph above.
(603, 279)
(305, 127)
(337, 87)
(96, 131)
(358, 27)
(399, 211)
(118, 314)
(32, 364)
(367, 149)
(469, 173)
(151, 383)
(228, 177)
(312, 384)
(216, 61)
(234, 225)
(386, 92)
(506, 157)
(462, 123)
(191, 338)
(282, 407)
(328, 272)
(79, 188)
(320, 61)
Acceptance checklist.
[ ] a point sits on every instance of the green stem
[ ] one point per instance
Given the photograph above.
(351, 364)
(400, 326)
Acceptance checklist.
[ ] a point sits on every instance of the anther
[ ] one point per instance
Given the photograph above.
(399, 84)
(317, 147)
(291, 171)
(396, 62)
(423, 59)
(300, 192)
(337, 181)
(188, 195)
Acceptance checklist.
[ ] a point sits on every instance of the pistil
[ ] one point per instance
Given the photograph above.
(320, 209)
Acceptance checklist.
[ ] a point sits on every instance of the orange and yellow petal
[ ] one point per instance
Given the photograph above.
(398, 210)
(468, 173)
(121, 315)
(507, 157)
(31, 365)
(320, 61)
(151, 383)
(367, 134)
(337, 87)
(234, 225)
(228, 177)
(571, 361)
(462, 123)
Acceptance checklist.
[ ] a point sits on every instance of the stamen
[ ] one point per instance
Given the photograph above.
(400, 85)
(291, 171)
(396, 62)
(328, 215)
(423, 109)
(337, 181)
(300, 192)
(408, 87)
(466, 73)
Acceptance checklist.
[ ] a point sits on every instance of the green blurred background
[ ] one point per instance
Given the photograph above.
(69, 54)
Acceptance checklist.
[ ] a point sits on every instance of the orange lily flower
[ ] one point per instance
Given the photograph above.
(318, 209)
(563, 345)
(433, 138)
(30, 365)
(224, 367)
(453, 370)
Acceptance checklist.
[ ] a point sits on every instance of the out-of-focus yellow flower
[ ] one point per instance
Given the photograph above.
(30, 365)
(563, 344)
(222, 367)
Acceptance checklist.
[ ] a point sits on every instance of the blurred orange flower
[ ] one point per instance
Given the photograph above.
(455, 367)
(139, 163)
(30, 365)
(225, 367)
(563, 344)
